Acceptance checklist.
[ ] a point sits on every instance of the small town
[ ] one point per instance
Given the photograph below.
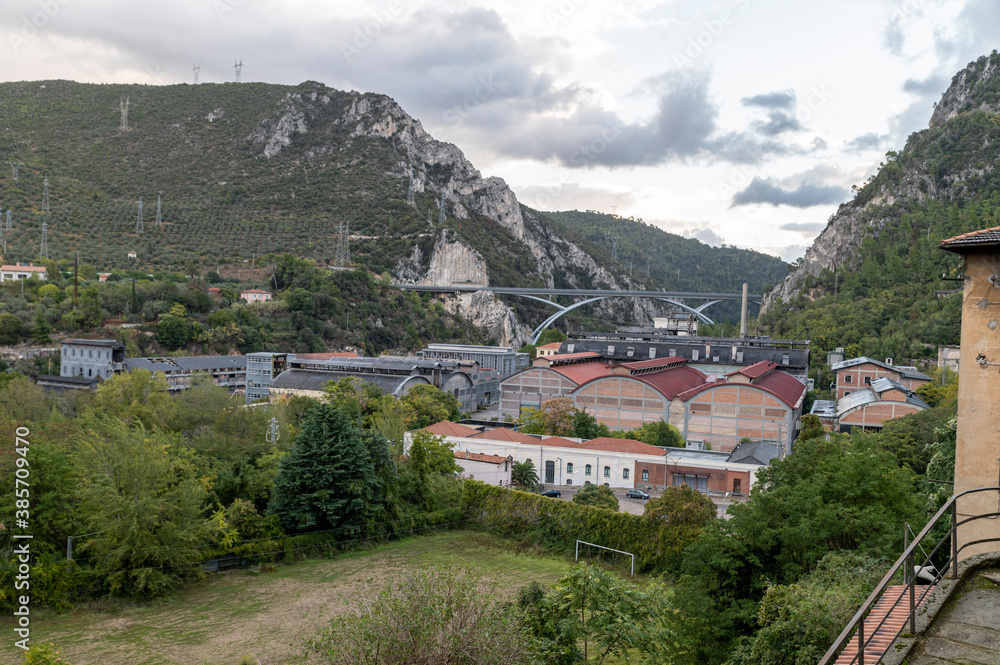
(556, 334)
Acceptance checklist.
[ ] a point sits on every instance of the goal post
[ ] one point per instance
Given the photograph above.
(610, 549)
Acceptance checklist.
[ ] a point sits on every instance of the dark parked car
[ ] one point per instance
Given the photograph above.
(553, 493)
(636, 494)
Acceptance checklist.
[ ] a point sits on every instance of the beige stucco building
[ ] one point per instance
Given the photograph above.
(977, 452)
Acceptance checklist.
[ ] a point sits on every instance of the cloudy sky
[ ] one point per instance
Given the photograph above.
(742, 122)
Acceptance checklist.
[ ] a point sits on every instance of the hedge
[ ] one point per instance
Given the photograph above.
(557, 525)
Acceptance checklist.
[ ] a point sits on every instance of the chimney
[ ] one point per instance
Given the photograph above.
(743, 313)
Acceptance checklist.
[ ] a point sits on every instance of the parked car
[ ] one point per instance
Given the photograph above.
(555, 494)
(636, 494)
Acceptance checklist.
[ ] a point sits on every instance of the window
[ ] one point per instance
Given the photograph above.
(624, 474)
(868, 380)
(569, 467)
(694, 354)
(91, 354)
(586, 470)
(846, 393)
(784, 359)
(90, 372)
(652, 352)
(645, 475)
(569, 481)
(607, 472)
(848, 378)
(611, 349)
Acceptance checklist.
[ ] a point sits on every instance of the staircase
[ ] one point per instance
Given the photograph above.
(895, 622)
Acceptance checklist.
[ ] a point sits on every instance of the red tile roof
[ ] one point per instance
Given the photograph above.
(256, 291)
(654, 362)
(784, 386)
(552, 345)
(505, 434)
(982, 237)
(559, 441)
(582, 372)
(572, 356)
(756, 370)
(19, 268)
(621, 446)
(448, 428)
(479, 457)
(327, 356)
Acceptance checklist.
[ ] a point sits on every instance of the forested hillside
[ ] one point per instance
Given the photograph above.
(875, 281)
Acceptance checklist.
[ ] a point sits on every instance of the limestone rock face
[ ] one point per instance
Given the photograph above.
(966, 92)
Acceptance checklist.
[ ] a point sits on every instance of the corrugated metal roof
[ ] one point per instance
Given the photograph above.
(674, 381)
(981, 238)
(756, 370)
(396, 364)
(583, 372)
(188, 364)
(655, 362)
(560, 357)
(824, 408)
(308, 379)
(885, 383)
(94, 342)
(784, 386)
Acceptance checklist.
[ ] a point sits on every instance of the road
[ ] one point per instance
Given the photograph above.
(638, 506)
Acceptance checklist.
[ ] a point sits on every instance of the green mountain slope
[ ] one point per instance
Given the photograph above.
(872, 281)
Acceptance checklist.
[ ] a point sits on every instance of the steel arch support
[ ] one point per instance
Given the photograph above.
(558, 315)
(701, 308)
(701, 317)
(538, 299)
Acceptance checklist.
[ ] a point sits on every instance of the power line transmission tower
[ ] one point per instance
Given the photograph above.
(44, 249)
(196, 69)
(14, 165)
(159, 211)
(443, 214)
(138, 220)
(45, 196)
(409, 191)
(614, 245)
(273, 433)
(614, 210)
(123, 127)
(238, 66)
(9, 223)
(343, 256)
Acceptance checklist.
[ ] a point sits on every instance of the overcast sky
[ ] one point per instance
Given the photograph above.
(742, 122)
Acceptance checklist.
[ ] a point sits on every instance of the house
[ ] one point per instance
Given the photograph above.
(214, 291)
(869, 408)
(858, 373)
(490, 469)
(547, 349)
(255, 295)
(103, 276)
(19, 272)
(977, 462)
(91, 358)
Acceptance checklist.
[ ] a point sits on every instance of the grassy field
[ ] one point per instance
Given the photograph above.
(267, 616)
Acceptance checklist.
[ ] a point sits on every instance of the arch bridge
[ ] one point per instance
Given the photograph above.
(589, 296)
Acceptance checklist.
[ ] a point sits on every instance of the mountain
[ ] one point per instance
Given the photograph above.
(872, 280)
(230, 172)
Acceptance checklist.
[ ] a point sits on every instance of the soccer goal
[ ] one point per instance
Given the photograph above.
(583, 542)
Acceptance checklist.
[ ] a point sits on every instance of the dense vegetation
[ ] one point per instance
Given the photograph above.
(885, 303)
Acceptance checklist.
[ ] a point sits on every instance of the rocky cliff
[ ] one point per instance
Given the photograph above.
(952, 162)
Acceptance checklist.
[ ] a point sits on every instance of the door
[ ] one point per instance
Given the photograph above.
(550, 472)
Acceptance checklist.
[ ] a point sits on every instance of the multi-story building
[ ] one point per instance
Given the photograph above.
(226, 371)
(859, 373)
(261, 370)
(91, 358)
(681, 324)
(495, 364)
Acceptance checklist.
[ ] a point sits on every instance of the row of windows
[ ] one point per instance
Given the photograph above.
(587, 469)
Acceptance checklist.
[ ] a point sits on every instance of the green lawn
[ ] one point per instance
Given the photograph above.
(268, 615)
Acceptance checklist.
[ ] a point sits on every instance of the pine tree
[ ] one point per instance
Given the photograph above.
(328, 480)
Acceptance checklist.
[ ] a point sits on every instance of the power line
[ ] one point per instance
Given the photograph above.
(138, 221)
(614, 245)
(45, 196)
(238, 66)
(44, 249)
(14, 165)
(196, 69)
(159, 211)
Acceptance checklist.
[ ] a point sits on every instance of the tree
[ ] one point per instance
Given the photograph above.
(585, 426)
(140, 493)
(678, 516)
(327, 480)
(173, 332)
(523, 475)
(598, 496)
(11, 328)
(136, 396)
(555, 417)
(431, 405)
(440, 616)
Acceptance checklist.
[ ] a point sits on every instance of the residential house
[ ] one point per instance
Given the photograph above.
(18, 272)
(858, 373)
(547, 349)
(255, 295)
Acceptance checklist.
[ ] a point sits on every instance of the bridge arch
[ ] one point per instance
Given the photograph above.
(537, 332)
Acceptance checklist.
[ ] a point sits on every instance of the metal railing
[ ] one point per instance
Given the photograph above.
(911, 596)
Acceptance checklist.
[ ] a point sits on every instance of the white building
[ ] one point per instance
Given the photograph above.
(490, 469)
(18, 272)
